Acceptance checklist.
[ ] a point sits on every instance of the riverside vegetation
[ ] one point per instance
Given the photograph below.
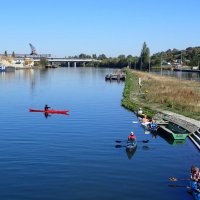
(161, 92)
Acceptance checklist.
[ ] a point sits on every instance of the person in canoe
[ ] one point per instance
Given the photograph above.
(46, 107)
(131, 136)
(153, 126)
(195, 182)
(145, 119)
(195, 174)
(140, 112)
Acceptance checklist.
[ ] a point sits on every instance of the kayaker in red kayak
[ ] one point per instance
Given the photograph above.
(46, 107)
(131, 136)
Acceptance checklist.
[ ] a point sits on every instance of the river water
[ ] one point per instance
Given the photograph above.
(181, 75)
(74, 156)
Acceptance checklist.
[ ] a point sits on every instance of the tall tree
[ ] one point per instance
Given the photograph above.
(102, 56)
(143, 62)
(5, 53)
(43, 61)
(13, 54)
(94, 56)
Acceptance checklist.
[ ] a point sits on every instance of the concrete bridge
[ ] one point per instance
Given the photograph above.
(68, 61)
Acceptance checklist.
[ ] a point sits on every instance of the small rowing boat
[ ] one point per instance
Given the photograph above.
(50, 111)
(174, 133)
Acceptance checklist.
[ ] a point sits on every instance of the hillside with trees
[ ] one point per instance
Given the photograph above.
(172, 57)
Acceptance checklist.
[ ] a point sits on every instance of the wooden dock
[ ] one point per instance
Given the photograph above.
(118, 75)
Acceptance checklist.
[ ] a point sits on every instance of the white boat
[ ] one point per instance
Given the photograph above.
(2, 68)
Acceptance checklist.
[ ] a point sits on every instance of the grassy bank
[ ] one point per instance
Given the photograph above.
(161, 92)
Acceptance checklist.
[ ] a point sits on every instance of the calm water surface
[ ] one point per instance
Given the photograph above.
(193, 76)
(74, 156)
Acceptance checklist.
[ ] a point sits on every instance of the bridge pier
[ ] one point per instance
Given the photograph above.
(74, 64)
(68, 64)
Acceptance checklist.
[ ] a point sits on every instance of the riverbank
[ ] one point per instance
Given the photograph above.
(161, 93)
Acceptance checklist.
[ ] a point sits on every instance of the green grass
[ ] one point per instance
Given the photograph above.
(160, 92)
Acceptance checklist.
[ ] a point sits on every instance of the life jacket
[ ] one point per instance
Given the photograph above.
(193, 185)
(131, 137)
(153, 126)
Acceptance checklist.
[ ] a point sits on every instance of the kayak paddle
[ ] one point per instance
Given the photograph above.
(144, 141)
(178, 179)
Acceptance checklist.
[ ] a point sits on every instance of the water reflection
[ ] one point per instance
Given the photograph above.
(145, 147)
(46, 115)
(114, 81)
(130, 152)
(154, 134)
(169, 140)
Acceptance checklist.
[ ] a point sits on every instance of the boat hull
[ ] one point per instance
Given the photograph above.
(131, 145)
(175, 135)
(50, 111)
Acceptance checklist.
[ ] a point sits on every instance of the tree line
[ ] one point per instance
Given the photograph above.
(145, 62)
(187, 57)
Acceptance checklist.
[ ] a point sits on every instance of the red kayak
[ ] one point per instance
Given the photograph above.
(50, 111)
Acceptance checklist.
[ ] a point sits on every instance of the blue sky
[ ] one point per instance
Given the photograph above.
(112, 27)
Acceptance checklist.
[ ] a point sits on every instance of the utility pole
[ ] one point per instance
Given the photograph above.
(149, 63)
(181, 58)
(161, 64)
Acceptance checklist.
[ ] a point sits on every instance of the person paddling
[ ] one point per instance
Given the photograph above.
(195, 174)
(145, 119)
(131, 136)
(46, 107)
(153, 126)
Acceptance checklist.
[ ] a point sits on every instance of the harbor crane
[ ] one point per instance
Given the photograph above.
(33, 50)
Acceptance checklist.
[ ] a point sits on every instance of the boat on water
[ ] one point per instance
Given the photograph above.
(6, 68)
(2, 68)
(170, 140)
(50, 111)
(118, 75)
(51, 66)
(173, 131)
(131, 145)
